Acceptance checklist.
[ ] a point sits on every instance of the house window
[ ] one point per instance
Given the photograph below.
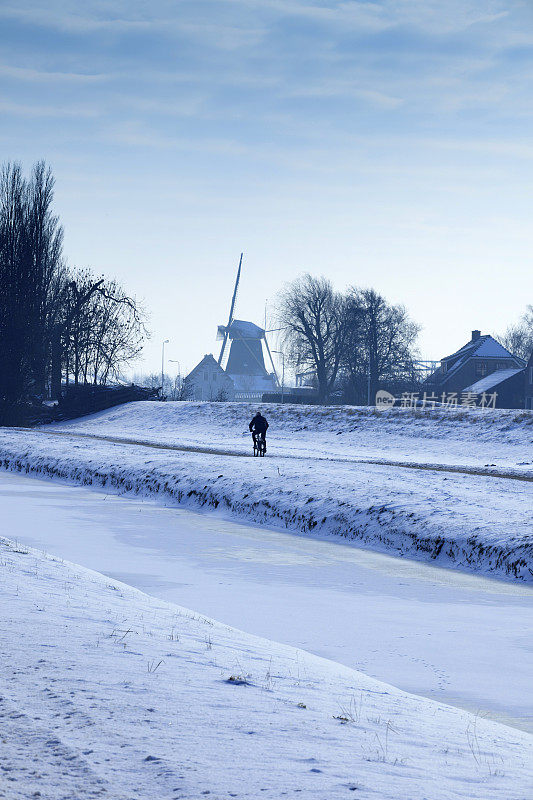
(481, 368)
(206, 376)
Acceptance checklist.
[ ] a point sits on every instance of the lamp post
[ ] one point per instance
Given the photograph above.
(282, 354)
(165, 341)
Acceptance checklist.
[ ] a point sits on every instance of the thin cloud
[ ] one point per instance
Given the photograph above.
(348, 89)
(53, 111)
(428, 15)
(45, 76)
(219, 35)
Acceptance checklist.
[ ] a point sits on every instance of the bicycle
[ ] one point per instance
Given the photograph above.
(259, 444)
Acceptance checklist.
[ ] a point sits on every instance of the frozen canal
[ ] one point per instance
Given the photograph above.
(450, 636)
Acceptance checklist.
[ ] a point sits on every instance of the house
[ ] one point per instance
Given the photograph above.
(529, 383)
(467, 368)
(208, 381)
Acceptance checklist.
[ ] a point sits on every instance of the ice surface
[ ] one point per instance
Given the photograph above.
(451, 636)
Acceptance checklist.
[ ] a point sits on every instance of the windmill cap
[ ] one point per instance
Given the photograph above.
(240, 328)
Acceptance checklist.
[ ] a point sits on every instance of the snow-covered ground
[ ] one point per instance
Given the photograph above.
(108, 692)
(488, 440)
(453, 637)
(453, 487)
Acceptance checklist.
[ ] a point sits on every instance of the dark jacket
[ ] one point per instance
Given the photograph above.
(258, 424)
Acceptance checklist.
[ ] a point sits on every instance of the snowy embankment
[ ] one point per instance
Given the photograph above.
(488, 441)
(478, 522)
(107, 692)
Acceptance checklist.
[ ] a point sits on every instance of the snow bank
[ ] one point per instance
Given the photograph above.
(107, 692)
(468, 521)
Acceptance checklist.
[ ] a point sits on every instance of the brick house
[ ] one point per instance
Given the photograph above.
(478, 359)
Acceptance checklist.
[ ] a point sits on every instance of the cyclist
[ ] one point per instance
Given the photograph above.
(259, 425)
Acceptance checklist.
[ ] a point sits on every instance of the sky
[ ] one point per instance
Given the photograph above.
(385, 144)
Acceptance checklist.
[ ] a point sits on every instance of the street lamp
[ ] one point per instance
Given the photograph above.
(282, 354)
(165, 341)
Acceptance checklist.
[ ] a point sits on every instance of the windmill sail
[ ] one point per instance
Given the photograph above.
(225, 332)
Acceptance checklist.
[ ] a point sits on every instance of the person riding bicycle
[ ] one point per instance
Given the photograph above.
(259, 426)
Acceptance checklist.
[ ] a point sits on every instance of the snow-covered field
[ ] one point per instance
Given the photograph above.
(108, 692)
(453, 487)
(494, 442)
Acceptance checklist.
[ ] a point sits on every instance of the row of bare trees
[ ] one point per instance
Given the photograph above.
(351, 344)
(57, 326)
(172, 387)
(102, 329)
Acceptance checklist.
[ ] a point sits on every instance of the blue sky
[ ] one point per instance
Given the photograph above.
(384, 144)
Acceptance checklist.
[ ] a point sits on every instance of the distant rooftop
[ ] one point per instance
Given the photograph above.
(483, 346)
(478, 347)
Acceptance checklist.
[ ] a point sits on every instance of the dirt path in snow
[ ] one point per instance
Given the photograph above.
(431, 467)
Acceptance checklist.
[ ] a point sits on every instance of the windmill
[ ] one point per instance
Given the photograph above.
(245, 364)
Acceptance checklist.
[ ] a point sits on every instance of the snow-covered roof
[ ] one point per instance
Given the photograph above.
(492, 380)
(484, 346)
(207, 361)
(490, 348)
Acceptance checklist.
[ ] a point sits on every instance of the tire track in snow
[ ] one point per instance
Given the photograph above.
(429, 467)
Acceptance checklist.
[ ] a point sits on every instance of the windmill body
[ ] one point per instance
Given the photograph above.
(246, 349)
(246, 363)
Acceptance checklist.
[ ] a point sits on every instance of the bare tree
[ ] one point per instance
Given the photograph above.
(47, 272)
(14, 304)
(518, 339)
(312, 316)
(31, 273)
(49, 317)
(380, 342)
